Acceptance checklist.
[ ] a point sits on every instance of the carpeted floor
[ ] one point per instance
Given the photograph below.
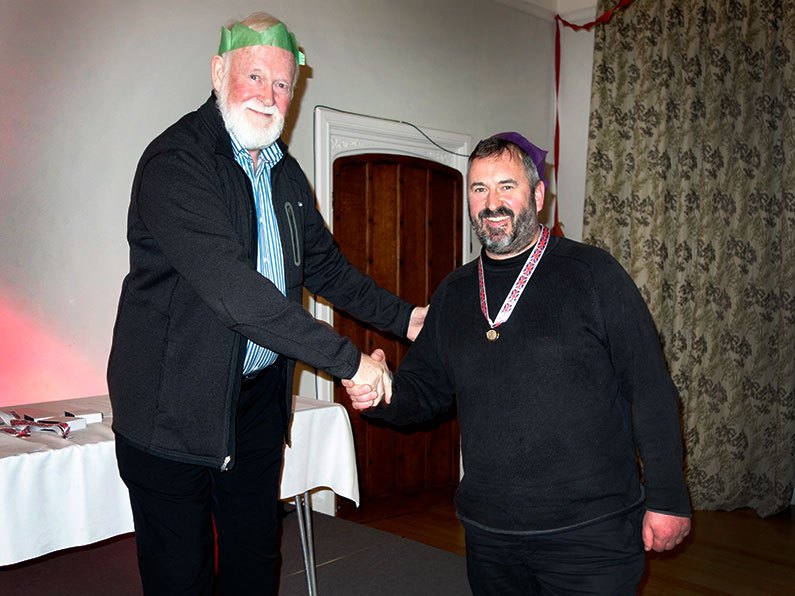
(352, 560)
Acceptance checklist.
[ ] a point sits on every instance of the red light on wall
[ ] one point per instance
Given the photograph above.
(37, 365)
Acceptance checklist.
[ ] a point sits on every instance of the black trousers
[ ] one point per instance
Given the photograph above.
(601, 559)
(176, 507)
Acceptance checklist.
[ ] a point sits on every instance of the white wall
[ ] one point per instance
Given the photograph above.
(576, 58)
(86, 84)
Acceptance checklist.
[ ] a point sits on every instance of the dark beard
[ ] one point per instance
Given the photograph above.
(523, 226)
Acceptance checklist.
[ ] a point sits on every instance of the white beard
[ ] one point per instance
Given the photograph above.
(251, 137)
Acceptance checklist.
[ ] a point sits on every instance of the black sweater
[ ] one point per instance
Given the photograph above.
(555, 411)
(193, 295)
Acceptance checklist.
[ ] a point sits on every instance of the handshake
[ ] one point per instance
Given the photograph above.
(371, 383)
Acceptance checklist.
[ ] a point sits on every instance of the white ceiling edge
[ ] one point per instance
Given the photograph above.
(571, 10)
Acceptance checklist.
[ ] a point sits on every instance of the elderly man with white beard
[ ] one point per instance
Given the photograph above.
(224, 235)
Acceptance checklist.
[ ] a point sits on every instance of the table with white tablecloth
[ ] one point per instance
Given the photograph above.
(59, 493)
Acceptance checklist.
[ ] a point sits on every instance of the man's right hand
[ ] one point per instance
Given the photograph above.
(371, 383)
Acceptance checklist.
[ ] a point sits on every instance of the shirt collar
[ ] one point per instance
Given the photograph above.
(270, 154)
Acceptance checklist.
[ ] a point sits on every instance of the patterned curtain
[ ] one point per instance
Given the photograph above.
(691, 185)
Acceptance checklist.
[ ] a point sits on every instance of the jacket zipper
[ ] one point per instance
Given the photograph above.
(288, 209)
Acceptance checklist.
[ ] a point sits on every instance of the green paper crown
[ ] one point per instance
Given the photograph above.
(240, 36)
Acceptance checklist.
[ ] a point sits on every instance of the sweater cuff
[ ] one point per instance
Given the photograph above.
(670, 500)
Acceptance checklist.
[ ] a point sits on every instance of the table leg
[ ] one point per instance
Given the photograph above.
(303, 508)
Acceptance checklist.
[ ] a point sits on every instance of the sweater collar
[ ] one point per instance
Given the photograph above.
(509, 264)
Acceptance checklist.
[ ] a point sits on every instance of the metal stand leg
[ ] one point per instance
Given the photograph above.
(303, 508)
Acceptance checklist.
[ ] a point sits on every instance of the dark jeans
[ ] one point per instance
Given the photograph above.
(177, 506)
(605, 559)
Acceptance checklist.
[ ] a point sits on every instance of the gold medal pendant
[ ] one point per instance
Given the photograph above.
(492, 334)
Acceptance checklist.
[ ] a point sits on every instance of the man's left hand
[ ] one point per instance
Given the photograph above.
(416, 321)
(663, 532)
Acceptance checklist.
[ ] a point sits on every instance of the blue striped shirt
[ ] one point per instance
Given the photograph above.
(270, 259)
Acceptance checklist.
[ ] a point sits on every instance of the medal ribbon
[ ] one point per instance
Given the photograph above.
(518, 286)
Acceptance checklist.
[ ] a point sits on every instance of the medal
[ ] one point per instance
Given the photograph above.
(518, 286)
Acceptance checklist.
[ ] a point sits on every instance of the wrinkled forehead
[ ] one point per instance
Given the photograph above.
(276, 61)
(261, 55)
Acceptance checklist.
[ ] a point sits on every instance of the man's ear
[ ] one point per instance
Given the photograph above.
(539, 195)
(217, 72)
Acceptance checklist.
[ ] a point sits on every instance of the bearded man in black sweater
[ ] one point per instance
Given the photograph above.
(563, 396)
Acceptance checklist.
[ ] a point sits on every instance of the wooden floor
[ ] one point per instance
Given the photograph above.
(727, 552)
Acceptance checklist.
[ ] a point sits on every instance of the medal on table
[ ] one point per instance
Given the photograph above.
(518, 287)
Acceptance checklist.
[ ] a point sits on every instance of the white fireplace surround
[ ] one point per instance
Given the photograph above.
(339, 134)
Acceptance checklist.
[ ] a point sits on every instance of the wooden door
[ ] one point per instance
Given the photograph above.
(399, 220)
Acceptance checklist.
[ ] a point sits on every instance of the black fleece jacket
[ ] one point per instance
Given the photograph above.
(553, 413)
(193, 295)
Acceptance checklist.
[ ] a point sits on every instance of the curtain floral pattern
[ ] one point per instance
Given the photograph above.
(691, 185)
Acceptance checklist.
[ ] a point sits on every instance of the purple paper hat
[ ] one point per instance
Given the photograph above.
(537, 155)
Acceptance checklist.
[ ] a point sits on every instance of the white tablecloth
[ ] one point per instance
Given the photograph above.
(58, 493)
(321, 452)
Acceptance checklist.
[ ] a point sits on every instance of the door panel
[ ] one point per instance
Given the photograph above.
(399, 220)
